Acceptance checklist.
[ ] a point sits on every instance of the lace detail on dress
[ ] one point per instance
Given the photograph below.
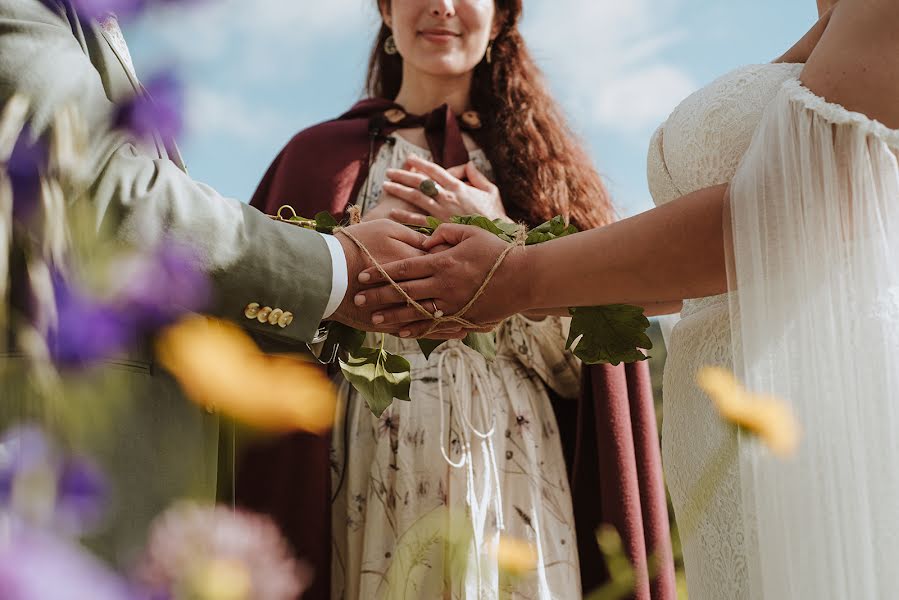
(701, 145)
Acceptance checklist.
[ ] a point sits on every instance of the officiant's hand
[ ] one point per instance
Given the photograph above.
(462, 190)
(450, 278)
(388, 242)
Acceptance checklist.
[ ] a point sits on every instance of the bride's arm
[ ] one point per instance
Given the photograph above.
(673, 251)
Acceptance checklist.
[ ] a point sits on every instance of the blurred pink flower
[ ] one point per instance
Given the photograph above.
(190, 543)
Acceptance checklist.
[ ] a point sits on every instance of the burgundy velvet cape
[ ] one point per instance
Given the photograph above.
(610, 432)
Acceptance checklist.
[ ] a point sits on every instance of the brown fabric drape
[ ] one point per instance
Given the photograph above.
(616, 478)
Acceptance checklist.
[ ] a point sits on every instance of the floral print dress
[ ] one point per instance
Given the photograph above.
(423, 494)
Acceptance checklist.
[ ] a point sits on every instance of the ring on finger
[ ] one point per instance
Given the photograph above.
(437, 312)
(429, 188)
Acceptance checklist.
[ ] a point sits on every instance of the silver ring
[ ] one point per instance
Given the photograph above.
(437, 312)
(429, 188)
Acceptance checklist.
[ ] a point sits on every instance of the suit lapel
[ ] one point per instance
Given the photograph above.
(165, 148)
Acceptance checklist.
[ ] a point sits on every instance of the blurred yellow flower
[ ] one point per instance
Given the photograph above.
(767, 417)
(220, 579)
(221, 368)
(515, 556)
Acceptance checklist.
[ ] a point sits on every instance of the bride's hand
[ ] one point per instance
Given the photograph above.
(476, 196)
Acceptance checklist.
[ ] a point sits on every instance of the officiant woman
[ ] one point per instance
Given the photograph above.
(528, 446)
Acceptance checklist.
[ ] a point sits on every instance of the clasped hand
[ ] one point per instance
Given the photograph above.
(458, 261)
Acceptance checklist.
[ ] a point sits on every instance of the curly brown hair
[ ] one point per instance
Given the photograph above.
(541, 167)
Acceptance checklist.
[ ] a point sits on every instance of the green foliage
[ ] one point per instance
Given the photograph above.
(484, 343)
(599, 334)
(343, 337)
(502, 229)
(428, 346)
(550, 230)
(609, 334)
(325, 222)
(379, 376)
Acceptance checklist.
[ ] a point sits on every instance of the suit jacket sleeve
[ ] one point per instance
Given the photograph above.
(45, 56)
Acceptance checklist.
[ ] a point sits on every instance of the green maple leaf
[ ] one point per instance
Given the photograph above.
(379, 376)
(610, 334)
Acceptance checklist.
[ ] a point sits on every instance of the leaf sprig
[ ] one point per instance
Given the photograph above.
(610, 334)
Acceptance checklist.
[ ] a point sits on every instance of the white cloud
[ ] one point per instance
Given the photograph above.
(606, 59)
(260, 29)
(210, 112)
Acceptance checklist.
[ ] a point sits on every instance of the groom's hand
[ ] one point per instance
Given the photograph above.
(387, 242)
(450, 277)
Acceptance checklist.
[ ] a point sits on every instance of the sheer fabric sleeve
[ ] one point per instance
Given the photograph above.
(815, 319)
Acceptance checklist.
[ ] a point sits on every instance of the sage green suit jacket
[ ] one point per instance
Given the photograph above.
(154, 445)
(142, 193)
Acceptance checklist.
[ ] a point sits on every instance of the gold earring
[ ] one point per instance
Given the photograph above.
(489, 56)
(390, 46)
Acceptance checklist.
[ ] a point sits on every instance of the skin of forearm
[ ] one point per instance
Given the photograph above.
(673, 251)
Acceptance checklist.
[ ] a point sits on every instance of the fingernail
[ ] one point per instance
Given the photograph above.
(364, 277)
(405, 333)
(359, 300)
(377, 319)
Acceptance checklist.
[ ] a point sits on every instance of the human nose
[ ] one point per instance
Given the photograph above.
(443, 9)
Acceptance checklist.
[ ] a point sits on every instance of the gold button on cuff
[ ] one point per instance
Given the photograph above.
(273, 318)
(263, 314)
(251, 310)
(285, 320)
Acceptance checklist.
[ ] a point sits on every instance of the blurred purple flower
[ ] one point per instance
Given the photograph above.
(98, 9)
(36, 566)
(157, 111)
(155, 289)
(188, 538)
(87, 330)
(26, 163)
(82, 496)
(81, 491)
(162, 286)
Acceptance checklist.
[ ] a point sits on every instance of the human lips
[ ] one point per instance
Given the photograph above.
(438, 35)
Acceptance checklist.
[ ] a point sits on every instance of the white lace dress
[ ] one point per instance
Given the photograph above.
(423, 492)
(701, 145)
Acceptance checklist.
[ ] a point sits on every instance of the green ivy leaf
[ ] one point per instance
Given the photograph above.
(609, 334)
(345, 337)
(379, 376)
(551, 230)
(428, 346)
(325, 222)
(485, 343)
(487, 225)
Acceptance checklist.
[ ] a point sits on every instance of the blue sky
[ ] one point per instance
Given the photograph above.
(258, 71)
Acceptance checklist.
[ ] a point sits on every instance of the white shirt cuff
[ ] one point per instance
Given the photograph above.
(339, 277)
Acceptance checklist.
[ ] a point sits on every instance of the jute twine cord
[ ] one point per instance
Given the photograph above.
(437, 318)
